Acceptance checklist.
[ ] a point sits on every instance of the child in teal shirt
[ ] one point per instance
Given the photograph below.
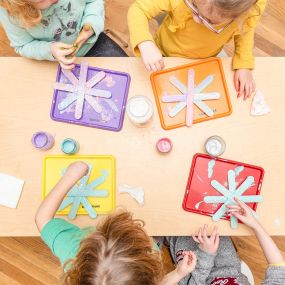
(117, 252)
(57, 29)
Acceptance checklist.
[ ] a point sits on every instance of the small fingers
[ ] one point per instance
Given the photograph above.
(158, 66)
(236, 83)
(66, 66)
(204, 232)
(153, 67)
(195, 239)
(68, 51)
(67, 61)
(241, 90)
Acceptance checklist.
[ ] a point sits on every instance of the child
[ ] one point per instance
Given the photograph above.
(57, 29)
(217, 261)
(116, 252)
(198, 29)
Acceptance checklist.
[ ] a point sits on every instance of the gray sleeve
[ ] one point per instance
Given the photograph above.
(275, 275)
(205, 263)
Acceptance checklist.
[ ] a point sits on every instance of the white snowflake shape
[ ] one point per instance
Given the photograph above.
(229, 195)
(191, 95)
(80, 90)
(80, 192)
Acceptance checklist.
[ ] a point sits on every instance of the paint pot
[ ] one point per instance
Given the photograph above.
(43, 140)
(69, 146)
(164, 145)
(140, 110)
(215, 146)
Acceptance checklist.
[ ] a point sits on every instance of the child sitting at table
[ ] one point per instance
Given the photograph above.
(217, 260)
(198, 29)
(116, 252)
(57, 29)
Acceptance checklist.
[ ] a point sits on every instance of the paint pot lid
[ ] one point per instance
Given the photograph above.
(40, 139)
(164, 145)
(68, 146)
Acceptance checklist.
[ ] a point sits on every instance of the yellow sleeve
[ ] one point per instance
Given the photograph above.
(140, 12)
(243, 57)
(244, 42)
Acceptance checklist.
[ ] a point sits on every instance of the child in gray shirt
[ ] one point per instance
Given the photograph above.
(213, 260)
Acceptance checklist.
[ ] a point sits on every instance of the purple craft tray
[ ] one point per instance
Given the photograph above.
(116, 82)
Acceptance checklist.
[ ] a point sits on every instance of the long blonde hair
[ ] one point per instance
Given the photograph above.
(119, 252)
(22, 11)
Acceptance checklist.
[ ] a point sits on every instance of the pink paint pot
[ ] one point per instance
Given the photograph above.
(43, 140)
(164, 145)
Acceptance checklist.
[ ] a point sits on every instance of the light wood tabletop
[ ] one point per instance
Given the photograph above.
(26, 90)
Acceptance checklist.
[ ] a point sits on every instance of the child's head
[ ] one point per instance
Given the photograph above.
(218, 12)
(27, 12)
(118, 252)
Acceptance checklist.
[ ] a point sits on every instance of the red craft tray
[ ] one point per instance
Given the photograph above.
(199, 185)
(160, 83)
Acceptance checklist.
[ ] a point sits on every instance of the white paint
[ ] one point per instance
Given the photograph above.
(139, 110)
(214, 147)
(258, 106)
(136, 192)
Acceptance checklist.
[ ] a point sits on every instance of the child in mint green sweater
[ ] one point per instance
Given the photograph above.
(57, 29)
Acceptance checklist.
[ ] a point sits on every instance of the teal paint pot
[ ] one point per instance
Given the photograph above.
(70, 146)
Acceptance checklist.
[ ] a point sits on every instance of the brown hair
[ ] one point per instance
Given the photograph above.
(22, 11)
(118, 252)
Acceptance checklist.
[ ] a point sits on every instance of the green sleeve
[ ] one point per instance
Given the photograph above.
(23, 43)
(63, 238)
(94, 15)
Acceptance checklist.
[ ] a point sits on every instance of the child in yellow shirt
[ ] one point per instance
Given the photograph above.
(198, 29)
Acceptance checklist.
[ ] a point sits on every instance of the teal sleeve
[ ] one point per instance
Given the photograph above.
(94, 15)
(23, 43)
(63, 238)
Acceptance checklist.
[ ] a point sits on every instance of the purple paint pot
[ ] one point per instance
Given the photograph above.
(42, 140)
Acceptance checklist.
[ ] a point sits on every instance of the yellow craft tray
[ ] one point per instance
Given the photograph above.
(53, 166)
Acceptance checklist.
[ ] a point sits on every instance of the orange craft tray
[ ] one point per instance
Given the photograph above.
(160, 83)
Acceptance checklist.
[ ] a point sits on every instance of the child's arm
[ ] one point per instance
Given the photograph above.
(184, 268)
(244, 214)
(276, 272)
(243, 60)
(25, 45)
(50, 205)
(94, 15)
(140, 12)
(243, 63)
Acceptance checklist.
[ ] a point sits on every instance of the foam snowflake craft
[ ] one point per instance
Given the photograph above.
(80, 192)
(80, 90)
(191, 95)
(229, 195)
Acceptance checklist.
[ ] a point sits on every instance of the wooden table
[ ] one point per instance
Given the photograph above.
(26, 90)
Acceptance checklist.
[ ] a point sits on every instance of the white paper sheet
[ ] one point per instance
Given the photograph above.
(10, 190)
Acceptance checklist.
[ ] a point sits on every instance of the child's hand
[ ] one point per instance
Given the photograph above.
(244, 83)
(208, 244)
(151, 56)
(77, 170)
(60, 51)
(187, 265)
(83, 36)
(243, 213)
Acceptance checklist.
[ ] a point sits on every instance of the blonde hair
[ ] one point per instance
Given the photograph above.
(22, 11)
(233, 8)
(119, 252)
